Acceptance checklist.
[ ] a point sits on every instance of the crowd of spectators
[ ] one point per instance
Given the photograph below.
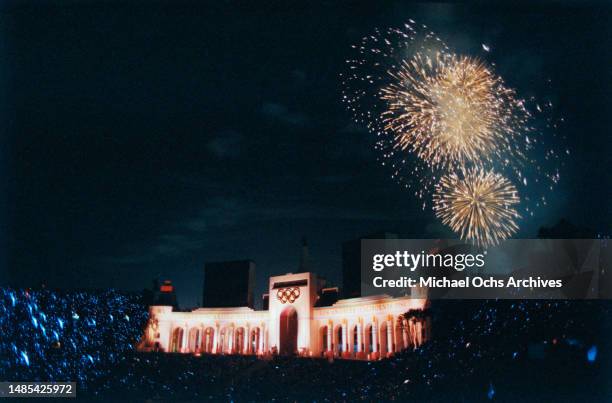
(60, 336)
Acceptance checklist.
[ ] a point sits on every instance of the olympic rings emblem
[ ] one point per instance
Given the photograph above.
(290, 294)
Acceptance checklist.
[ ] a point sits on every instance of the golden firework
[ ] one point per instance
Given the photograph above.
(480, 206)
(435, 113)
(451, 111)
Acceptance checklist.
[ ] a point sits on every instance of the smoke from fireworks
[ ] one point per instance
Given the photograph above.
(480, 207)
(437, 114)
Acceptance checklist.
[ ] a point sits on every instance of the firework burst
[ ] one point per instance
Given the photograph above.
(479, 205)
(436, 114)
(452, 112)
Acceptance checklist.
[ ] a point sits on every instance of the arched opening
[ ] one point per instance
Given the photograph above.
(194, 339)
(369, 339)
(383, 339)
(208, 340)
(356, 346)
(239, 340)
(420, 332)
(254, 341)
(324, 344)
(223, 344)
(176, 342)
(405, 339)
(411, 334)
(288, 331)
(399, 338)
(339, 340)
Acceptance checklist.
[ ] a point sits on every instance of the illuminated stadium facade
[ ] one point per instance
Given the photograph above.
(366, 328)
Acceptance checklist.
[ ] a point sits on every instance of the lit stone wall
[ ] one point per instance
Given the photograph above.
(357, 328)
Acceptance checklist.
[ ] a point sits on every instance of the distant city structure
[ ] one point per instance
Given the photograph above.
(351, 263)
(565, 229)
(161, 294)
(228, 284)
(302, 316)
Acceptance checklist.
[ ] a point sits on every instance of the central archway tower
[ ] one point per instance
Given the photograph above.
(292, 297)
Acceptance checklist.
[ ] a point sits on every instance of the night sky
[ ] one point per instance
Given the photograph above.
(142, 140)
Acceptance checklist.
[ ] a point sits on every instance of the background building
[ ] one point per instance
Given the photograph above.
(351, 263)
(161, 294)
(228, 284)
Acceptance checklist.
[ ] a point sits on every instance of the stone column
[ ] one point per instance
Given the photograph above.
(389, 336)
(374, 336)
(247, 339)
(266, 342)
(359, 337)
(230, 341)
(202, 335)
(344, 338)
(184, 346)
(404, 334)
(330, 335)
(215, 349)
